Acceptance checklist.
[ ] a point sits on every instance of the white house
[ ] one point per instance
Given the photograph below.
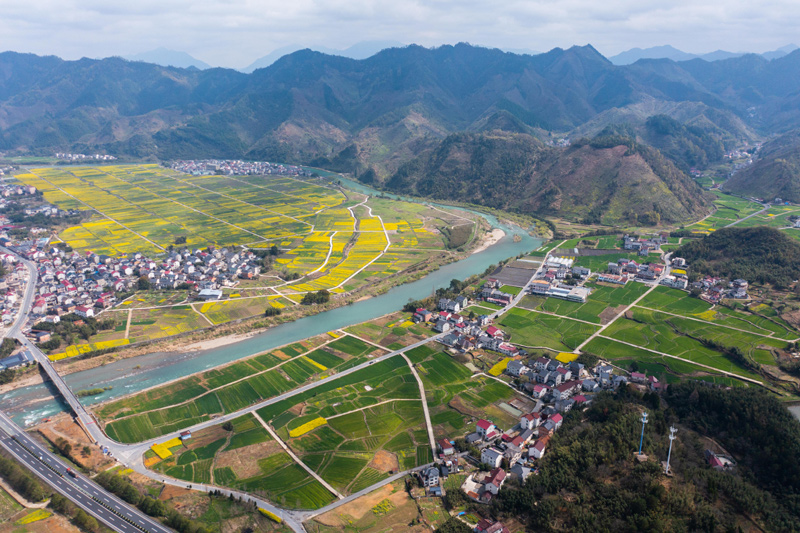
(491, 456)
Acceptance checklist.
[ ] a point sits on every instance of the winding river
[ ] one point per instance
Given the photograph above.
(28, 405)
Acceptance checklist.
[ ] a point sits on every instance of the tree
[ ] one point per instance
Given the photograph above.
(228, 426)
(319, 297)
(181, 239)
(84, 521)
(143, 284)
(274, 250)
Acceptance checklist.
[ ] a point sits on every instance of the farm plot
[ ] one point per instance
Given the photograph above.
(157, 323)
(599, 263)
(186, 402)
(382, 436)
(392, 331)
(144, 207)
(682, 338)
(455, 396)
(762, 321)
(245, 458)
(729, 210)
(664, 368)
(528, 328)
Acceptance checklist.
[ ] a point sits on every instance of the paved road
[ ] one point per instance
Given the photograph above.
(428, 424)
(84, 493)
(766, 207)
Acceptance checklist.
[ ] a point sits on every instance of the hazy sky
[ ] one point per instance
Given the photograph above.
(233, 33)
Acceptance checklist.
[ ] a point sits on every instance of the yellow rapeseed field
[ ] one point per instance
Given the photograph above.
(311, 425)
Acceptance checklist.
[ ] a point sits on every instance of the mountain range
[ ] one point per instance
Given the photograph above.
(372, 116)
(670, 52)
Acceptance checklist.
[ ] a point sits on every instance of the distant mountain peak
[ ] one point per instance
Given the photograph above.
(361, 50)
(169, 58)
(667, 51)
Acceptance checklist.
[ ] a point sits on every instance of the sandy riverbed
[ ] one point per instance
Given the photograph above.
(489, 239)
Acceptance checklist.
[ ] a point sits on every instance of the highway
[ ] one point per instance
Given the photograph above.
(83, 492)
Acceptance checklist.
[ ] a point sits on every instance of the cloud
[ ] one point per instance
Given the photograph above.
(235, 32)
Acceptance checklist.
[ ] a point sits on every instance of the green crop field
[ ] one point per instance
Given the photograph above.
(762, 322)
(186, 402)
(677, 336)
(729, 210)
(535, 329)
(352, 346)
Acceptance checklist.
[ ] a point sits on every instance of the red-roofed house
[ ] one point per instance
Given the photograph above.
(530, 421)
(446, 447)
(83, 311)
(494, 481)
(557, 420)
(565, 390)
(537, 450)
(638, 377)
(494, 332)
(484, 427)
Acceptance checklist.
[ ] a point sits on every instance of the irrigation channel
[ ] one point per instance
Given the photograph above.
(28, 405)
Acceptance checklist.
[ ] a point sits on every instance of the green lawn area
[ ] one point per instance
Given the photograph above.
(535, 329)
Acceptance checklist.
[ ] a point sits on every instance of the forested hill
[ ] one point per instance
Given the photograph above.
(759, 254)
(378, 112)
(589, 482)
(776, 173)
(610, 179)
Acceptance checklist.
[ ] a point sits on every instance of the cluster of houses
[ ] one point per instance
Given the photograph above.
(626, 269)
(462, 333)
(85, 157)
(644, 246)
(511, 453)
(86, 283)
(713, 289)
(237, 168)
(490, 292)
(514, 453)
(9, 190)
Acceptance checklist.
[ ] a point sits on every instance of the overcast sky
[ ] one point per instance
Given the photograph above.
(233, 33)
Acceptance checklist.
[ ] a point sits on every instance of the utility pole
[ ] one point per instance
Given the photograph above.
(641, 440)
(672, 432)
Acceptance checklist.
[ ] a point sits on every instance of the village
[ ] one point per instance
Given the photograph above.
(87, 284)
(237, 168)
(491, 455)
